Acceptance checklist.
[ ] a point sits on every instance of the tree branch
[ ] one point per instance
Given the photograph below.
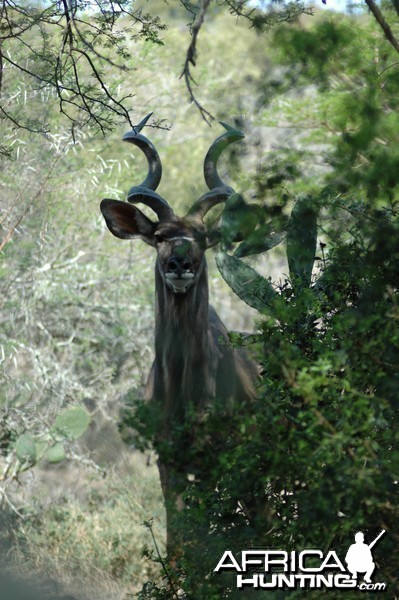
(262, 20)
(84, 97)
(377, 14)
(123, 112)
(191, 58)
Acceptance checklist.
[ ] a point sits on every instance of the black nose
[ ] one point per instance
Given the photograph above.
(178, 265)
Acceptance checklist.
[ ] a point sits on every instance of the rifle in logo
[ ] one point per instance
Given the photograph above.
(359, 558)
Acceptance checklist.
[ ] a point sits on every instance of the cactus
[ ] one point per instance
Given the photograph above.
(301, 236)
(70, 424)
(247, 283)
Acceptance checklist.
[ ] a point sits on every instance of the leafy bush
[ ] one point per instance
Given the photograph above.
(316, 458)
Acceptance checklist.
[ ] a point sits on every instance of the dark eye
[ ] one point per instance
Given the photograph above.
(159, 238)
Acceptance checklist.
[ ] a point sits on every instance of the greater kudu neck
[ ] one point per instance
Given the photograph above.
(182, 342)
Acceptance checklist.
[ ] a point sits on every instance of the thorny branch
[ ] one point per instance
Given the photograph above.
(191, 58)
(262, 20)
(84, 97)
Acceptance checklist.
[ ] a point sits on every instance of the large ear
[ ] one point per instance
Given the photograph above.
(127, 222)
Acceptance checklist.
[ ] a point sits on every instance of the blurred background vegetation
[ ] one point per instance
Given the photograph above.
(317, 96)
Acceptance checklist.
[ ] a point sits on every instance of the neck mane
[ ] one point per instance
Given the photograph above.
(182, 344)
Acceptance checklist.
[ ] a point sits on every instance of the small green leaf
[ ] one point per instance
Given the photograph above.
(25, 448)
(72, 422)
(247, 283)
(56, 453)
(301, 241)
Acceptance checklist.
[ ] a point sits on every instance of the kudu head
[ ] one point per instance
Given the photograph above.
(180, 242)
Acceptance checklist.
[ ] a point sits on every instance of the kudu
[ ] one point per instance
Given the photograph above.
(194, 364)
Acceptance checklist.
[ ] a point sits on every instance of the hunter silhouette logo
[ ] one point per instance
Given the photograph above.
(306, 569)
(359, 558)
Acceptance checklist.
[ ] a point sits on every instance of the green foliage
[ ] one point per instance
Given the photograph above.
(318, 51)
(316, 458)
